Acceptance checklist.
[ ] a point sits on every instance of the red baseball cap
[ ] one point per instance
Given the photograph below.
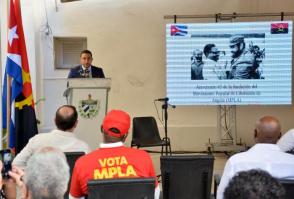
(116, 119)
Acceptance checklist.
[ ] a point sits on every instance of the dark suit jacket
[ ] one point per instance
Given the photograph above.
(76, 72)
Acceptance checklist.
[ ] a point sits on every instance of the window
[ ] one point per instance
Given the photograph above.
(67, 51)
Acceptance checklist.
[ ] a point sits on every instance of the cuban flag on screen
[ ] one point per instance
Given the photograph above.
(178, 30)
(22, 122)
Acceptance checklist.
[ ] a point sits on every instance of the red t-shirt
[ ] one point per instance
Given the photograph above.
(105, 163)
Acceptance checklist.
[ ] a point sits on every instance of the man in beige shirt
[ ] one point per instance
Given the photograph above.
(66, 120)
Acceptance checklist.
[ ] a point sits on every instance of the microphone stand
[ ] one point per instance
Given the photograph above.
(166, 139)
(66, 92)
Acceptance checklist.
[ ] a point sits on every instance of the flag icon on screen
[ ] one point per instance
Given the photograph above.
(178, 30)
(279, 28)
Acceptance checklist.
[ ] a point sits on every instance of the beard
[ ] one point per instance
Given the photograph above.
(236, 54)
(199, 59)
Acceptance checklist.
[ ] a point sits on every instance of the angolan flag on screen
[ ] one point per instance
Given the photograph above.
(178, 30)
(279, 28)
(23, 124)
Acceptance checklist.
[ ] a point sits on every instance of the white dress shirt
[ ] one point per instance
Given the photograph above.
(65, 141)
(286, 143)
(267, 157)
(89, 68)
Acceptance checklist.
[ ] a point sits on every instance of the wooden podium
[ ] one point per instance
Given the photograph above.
(90, 97)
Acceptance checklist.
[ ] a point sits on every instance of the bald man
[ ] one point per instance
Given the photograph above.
(264, 155)
(63, 138)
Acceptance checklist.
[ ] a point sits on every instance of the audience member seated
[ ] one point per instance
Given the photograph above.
(66, 120)
(286, 143)
(46, 175)
(113, 159)
(265, 155)
(254, 184)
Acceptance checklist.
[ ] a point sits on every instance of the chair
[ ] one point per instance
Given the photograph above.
(289, 188)
(186, 177)
(146, 134)
(71, 158)
(121, 188)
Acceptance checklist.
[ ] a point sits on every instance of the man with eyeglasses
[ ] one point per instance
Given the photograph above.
(215, 64)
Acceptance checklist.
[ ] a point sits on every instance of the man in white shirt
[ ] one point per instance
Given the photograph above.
(264, 155)
(286, 143)
(63, 138)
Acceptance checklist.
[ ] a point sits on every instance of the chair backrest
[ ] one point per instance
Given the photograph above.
(71, 158)
(289, 188)
(122, 188)
(145, 130)
(186, 177)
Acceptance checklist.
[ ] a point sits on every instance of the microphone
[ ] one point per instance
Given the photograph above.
(173, 106)
(162, 99)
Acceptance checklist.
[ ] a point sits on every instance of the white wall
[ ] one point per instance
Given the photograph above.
(127, 38)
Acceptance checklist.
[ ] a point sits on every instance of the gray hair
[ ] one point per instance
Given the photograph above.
(47, 174)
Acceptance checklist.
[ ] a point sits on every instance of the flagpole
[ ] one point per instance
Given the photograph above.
(8, 110)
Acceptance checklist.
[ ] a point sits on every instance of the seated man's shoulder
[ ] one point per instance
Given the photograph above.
(85, 159)
(289, 156)
(82, 146)
(40, 136)
(46, 135)
(238, 157)
(92, 155)
(289, 134)
(83, 143)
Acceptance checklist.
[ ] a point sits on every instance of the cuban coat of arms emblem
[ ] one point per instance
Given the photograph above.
(89, 108)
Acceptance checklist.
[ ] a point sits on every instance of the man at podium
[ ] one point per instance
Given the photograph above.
(85, 69)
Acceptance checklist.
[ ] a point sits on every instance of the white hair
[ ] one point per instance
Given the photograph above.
(47, 174)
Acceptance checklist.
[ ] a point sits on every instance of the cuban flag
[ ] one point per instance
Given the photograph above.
(178, 30)
(22, 123)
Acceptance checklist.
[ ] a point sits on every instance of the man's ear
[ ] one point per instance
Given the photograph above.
(125, 137)
(255, 136)
(280, 135)
(76, 123)
(101, 129)
(255, 133)
(242, 45)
